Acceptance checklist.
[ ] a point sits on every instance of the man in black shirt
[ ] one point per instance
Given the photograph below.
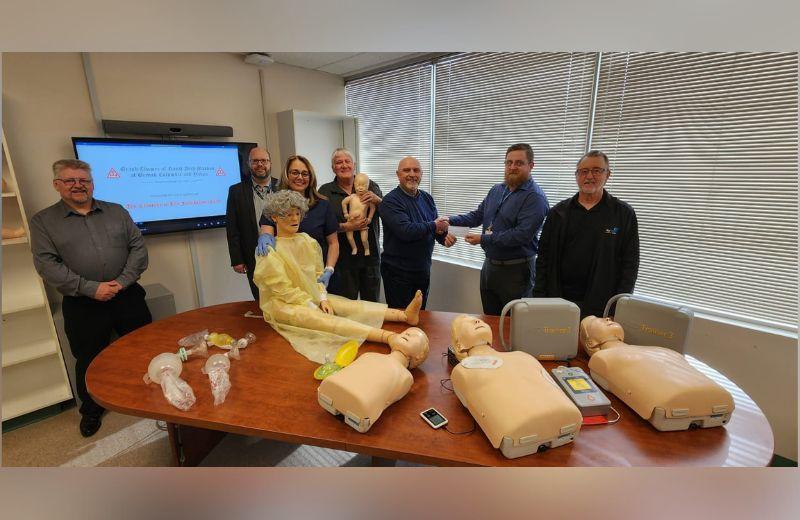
(589, 247)
(357, 275)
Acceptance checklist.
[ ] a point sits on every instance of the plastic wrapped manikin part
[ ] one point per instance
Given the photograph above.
(165, 370)
(217, 367)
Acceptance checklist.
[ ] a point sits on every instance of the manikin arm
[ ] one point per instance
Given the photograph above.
(370, 211)
(346, 206)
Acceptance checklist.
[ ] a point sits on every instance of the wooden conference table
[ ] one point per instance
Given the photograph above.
(274, 396)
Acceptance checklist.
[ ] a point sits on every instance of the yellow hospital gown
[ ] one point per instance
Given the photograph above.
(289, 297)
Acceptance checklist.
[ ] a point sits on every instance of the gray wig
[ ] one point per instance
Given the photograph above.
(282, 202)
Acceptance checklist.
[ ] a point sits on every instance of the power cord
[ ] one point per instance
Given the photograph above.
(443, 383)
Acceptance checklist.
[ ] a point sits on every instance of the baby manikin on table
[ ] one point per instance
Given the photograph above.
(659, 384)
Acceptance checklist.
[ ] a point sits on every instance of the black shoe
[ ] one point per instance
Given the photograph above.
(90, 425)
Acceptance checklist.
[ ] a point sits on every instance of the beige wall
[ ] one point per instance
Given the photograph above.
(46, 101)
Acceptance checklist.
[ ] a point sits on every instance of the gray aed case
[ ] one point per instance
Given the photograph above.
(650, 322)
(546, 328)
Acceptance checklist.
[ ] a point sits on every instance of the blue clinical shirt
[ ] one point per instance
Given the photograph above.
(408, 229)
(513, 217)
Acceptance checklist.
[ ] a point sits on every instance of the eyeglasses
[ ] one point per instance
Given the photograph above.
(517, 163)
(71, 182)
(297, 173)
(594, 171)
(259, 161)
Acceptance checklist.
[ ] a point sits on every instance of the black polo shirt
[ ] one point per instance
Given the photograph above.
(584, 230)
(336, 195)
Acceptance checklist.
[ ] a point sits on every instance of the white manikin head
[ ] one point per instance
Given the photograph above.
(413, 343)
(467, 332)
(596, 331)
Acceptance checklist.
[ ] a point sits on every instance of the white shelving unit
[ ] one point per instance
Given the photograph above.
(34, 375)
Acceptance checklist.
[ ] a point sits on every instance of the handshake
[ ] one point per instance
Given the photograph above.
(442, 225)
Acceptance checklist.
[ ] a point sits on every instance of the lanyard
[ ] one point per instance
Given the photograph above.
(497, 211)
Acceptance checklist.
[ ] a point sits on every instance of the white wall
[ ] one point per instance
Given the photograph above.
(46, 101)
(763, 364)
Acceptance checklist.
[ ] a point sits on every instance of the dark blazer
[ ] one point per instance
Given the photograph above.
(240, 224)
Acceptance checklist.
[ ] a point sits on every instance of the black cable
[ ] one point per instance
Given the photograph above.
(442, 383)
(461, 433)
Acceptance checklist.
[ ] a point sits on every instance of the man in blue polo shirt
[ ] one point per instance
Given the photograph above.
(511, 216)
(409, 228)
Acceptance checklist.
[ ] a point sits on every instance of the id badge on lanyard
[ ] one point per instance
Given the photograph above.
(505, 196)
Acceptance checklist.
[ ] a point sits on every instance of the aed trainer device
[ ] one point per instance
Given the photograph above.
(582, 390)
(433, 418)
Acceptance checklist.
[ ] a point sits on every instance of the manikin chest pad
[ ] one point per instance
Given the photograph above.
(661, 386)
(518, 405)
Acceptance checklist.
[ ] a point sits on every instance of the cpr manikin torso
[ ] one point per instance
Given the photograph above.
(659, 384)
(365, 388)
(354, 209)
(517, 405)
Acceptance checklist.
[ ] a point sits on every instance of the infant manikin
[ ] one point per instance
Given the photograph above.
(656, 382)
(354, 209)
(365, 388)
(511, 396)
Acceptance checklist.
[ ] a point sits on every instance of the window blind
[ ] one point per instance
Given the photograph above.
(485, 102)
(394, 120)
(704, 147)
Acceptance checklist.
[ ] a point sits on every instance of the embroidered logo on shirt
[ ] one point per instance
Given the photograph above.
(611, 231)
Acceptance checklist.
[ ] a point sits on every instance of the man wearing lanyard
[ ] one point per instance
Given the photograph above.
(511, 216)
(245, 205)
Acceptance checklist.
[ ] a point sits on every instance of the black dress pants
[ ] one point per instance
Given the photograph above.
(502, 283)
(400, 285)
(357, 277)
(88, 324)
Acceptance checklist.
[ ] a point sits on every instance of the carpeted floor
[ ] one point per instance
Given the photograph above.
(131, 441)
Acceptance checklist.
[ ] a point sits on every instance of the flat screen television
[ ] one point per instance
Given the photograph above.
(166, 186)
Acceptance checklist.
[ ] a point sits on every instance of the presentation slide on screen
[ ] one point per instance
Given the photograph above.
(163, 181)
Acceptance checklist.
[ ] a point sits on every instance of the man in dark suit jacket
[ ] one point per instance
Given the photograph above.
(245, 205)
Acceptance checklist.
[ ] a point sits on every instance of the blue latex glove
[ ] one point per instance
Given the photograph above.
(325, 277)
(264, 241)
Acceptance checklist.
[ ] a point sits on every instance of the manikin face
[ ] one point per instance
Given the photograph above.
(591, 175)
(74, 186)
(361, 183)
(596, 331)
(288, 224)
(260, 164)
(409, 174)
(469, 332)
(299, 176)
(412, 342)
(518, 168)
(343, 166)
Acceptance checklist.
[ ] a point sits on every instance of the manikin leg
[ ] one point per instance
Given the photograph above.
(365, 241)
(352, 240)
